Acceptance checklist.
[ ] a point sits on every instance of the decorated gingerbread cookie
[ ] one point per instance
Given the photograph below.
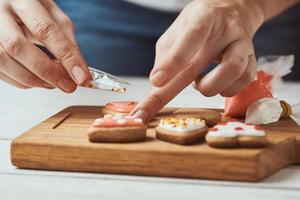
(181, 131)
(211, 117)
(235, 134)
(163, 113)
(117, 128)
(123, 107)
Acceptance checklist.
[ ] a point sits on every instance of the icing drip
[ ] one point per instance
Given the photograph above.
(235, 129)
(182, 125)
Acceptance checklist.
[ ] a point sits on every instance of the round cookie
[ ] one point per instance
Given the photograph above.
(117, 129)
(211, 117)
(181, 131)
(123, 107)
(234, 134)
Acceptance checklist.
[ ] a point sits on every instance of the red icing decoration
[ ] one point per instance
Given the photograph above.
(109, 122)
(258, 128)
(121, 106)
(238, 129)
(213, 129)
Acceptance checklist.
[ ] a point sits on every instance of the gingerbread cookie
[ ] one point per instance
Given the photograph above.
(181, 131)
(211, 117)
(117, 128)
(123, 107)
(235, 134)
(163, 113)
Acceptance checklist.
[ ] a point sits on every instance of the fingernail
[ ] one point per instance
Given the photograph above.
(158, 78)
(144, 115)
(79, 74)
(48, 86)
(67, 85)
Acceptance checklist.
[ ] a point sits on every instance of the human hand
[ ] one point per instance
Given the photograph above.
(24, 65)
(205, 31)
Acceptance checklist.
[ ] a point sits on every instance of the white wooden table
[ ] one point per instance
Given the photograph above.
(22, 109)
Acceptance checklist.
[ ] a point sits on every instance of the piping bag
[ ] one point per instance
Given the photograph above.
(269, 110)
(270, 71)
(100, 80)
(105, 81)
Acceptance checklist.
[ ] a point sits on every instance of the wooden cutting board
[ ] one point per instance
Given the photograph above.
(67, 148)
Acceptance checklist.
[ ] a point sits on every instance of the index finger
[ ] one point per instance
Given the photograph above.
(186, 45)
(44, 28)
(160, 96)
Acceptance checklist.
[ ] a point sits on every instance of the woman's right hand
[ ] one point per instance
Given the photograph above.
(24, 65)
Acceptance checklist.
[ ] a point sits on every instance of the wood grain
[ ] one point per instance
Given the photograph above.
(67, 148)
(61, 120)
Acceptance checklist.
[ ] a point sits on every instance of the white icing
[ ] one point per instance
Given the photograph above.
(118, 116)
(121, 121)
(99, 121)
(110, 82)
(138, 120)
(264, 111)
(229, 130)
(182, 125)
(129, 117)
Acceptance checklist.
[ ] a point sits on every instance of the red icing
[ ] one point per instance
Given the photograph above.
(238, 128)
(258, 128)
(237, 105)
(121, 106)
(110, 122)
(213, 129)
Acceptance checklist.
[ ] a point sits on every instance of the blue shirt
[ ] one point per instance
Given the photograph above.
(119, 37)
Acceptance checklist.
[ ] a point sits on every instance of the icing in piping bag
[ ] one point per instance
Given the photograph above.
(105, 81)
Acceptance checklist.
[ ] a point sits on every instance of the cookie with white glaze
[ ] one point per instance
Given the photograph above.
(117, 128)
(236, 134)
(211, 117)
(163, 113)
(181, 131)
(122, 107)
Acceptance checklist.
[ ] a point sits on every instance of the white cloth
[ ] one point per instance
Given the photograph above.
(165, 5)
